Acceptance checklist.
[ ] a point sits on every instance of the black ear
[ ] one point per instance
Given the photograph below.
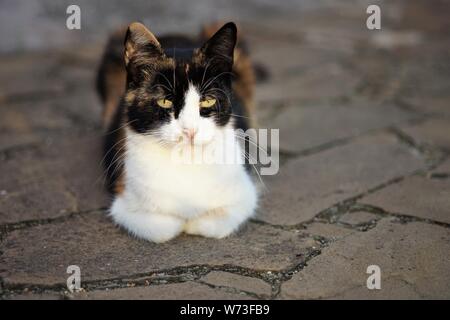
(220, 46)
(140, 44)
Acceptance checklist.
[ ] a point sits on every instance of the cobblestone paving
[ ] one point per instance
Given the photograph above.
(364, 120)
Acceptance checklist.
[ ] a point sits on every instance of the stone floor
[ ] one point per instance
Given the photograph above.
(364, 119)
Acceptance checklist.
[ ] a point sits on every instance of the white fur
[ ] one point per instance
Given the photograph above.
(163, 198)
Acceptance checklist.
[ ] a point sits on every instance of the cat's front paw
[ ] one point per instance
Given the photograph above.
(216, 224)
(149, 226)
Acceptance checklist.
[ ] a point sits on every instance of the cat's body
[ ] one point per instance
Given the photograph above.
(178, 95)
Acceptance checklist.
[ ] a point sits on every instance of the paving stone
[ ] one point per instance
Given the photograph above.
(32, 74)
(308, 185)
(74, 112)
(304, 128)
(8, 141)
(87, 55)
(34, 296)
(328, 231)
(243, 283)
(419, 14)
(435, 132)
(159, 17)
(443, 168)
(36, 80)
(415, 196)
(299, 57)
(27, 118)
(174, 291)
(412, 265)
(380, 76)
(394, 289)
(425, 79)
(328, 82)
(357, 218)
(42, 253)
(430, 103)
(390, 39)
(60, 176)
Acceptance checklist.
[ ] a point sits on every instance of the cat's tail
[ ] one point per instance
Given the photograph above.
(111, 76)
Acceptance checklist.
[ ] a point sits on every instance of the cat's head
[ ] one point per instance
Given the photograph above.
(179, 95)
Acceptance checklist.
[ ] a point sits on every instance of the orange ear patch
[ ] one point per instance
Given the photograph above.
(137, 37)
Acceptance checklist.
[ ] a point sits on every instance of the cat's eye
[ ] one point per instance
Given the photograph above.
(207, 103)
(164, 103)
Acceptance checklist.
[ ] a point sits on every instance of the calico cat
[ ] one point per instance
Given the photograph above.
(167, 93)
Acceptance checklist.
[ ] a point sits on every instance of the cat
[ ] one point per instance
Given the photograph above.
(176, 92)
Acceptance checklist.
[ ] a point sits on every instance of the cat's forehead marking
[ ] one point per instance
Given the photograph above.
(189, 115)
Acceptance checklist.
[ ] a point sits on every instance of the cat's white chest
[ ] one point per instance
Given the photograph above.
(157, 181)
(162, 198)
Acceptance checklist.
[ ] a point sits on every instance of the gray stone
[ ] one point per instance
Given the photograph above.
(326, 83)
(34, 296)
(412, 265)
(357, 218)
(328, 231)
(243, 283)
(33, 75)
(174, 291)
(74, 112)
(443, 167)
(394, 289)
(434, 132)
(299, 57)
(308, 185)
(60, 176)
(10, 141)
(415, 196)
(41, 254)
(430, 103)
(308, 127)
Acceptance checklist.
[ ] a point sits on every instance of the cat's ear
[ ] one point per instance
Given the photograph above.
(220, 46)
(140, 45)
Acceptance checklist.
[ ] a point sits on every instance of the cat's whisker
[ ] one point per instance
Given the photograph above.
(174, 73)
(249, 158)
(170, 84)
(211, 81)
(219, 106)
(160, 85)
(244, 138)
(236, 115)
(220, 91)
(119, 153)
(110, 149)
(204, 72)
(118, 164)
(121, 127)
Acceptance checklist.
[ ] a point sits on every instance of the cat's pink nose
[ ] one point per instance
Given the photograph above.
(190, 133)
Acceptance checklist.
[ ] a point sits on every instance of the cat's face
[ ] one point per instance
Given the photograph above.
(184, 99)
